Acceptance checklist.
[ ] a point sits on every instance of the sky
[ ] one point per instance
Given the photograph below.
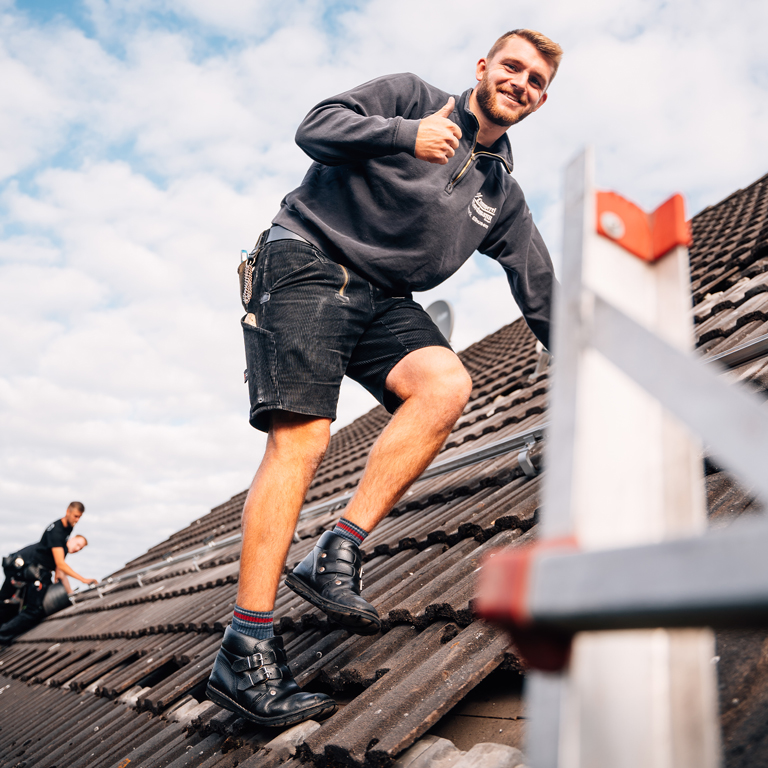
(145, 143)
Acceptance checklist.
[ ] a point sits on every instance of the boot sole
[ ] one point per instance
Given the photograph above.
(319, 711)
(359, 622)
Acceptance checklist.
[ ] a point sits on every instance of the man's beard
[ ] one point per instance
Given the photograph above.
(487, 101)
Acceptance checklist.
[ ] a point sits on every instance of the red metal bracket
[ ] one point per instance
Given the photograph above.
(646, 235)
(502, 598)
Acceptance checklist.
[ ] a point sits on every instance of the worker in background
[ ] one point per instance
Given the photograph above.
(37, 567)
(74, 544)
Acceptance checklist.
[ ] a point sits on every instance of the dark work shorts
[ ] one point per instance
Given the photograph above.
(310, 321)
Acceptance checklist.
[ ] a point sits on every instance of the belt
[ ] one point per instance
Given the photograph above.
(276, 232)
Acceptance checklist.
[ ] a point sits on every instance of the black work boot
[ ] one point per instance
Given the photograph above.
(251, 677)
(330, 577)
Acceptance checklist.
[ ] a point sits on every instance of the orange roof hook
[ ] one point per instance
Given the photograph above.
(648, 236)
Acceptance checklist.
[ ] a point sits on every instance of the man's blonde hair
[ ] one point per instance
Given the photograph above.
(549, 49)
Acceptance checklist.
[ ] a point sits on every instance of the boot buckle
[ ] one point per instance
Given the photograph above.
(261, 675)
(254, 661)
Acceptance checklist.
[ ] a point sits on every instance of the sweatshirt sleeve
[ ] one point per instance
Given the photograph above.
(375, 119)
(517, 245)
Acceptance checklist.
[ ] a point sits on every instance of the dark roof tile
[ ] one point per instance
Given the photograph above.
(393, 712)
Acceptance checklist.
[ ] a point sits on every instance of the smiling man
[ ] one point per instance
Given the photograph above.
(512, 85)
(407, 182)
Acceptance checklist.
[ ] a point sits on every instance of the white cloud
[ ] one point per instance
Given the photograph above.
(142, 152)
(232, 18)
(125, 383)
(28, 117)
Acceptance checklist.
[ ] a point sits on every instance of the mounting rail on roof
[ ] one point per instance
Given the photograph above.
(744, 353)
(524, 440)
(485, 452)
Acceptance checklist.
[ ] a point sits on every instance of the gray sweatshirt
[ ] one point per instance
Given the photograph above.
(406, 224)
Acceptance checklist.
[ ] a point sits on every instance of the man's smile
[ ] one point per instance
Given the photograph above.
(512, 97)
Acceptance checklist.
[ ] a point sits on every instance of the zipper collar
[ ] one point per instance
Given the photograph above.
(500, 149)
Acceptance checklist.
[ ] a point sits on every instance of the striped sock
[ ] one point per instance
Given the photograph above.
(256, 624)
(350, 531)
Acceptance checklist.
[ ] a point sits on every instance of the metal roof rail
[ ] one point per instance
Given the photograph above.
(521, 440)
(484, 453)
(744, 353)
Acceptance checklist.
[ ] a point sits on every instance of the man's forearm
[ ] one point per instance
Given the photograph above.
(64, 570)
(359, 124)
(335, 135)
(61, 577)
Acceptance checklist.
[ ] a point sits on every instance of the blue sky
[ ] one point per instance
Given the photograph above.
(144, 143)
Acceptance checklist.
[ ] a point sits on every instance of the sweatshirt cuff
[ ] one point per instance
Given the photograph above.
(405, 135)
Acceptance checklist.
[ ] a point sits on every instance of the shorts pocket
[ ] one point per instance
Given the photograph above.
(261, 363)
(291, 263)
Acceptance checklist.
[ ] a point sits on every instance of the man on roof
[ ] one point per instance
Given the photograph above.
(407, 182)
(34, 566)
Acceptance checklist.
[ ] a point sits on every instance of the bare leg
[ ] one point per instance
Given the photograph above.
(295, 447)
(434, 387)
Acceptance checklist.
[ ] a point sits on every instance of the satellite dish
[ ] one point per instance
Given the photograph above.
(441, 313)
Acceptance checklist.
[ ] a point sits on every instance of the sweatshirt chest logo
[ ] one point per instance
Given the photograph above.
(480, 212)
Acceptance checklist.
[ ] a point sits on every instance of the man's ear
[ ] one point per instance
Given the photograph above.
(541, 101)
(482, 65)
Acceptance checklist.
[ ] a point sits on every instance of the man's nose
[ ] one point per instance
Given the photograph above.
(519, 80)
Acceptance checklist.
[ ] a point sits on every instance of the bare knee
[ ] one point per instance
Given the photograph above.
(297, 438)
(434, 377)
(454, 389)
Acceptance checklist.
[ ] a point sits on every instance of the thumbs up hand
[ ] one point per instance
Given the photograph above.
(438, 137)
